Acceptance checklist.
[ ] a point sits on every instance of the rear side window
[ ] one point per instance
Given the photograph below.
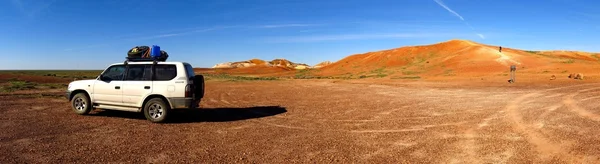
(189, 70)
(165, 72)
(139, 72)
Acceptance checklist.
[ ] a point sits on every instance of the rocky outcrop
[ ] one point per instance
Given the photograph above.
(577, 76)
(223, 65)
(258, 62)
(322, 64)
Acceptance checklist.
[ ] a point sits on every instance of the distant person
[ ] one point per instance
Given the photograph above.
(500, 48)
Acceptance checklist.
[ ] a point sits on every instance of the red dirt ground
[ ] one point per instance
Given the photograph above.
(321, 121)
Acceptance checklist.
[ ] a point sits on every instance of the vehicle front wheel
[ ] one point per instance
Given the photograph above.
(156, 110)
(80, 103)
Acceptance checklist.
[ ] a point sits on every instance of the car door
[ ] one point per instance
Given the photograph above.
(107, 90)
(163, 81)
(137, 84)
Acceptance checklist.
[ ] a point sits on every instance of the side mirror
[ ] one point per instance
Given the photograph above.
(104, 78)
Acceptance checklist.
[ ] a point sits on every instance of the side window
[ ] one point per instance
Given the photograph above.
(115, 72)
(190, 71)
(139, 72)
(165, 72)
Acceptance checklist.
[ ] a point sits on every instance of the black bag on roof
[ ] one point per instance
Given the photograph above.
(139, 52)
(163, 56)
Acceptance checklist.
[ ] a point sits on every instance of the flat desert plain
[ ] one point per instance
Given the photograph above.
(321, 121)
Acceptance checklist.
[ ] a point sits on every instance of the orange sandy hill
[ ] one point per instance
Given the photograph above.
(459, 58)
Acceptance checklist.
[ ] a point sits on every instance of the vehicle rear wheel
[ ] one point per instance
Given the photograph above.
(80, 103)
(156, 110)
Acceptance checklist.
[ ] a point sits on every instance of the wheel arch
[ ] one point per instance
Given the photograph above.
(77, 91)
(149, 97)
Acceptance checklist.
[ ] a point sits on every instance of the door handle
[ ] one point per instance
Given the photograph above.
(146, 87)
(117, 87)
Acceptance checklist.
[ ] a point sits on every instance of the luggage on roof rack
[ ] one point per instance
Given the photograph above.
(145, 53)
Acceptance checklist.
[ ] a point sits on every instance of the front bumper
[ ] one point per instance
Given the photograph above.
(68, 94)
(183, 103)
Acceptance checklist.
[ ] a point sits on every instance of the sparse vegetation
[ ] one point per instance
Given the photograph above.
(79, 74)
(380, 75)
(596, 56)
(570, 61)
(18, 85)
(406, 77)
(379, 70)
(304, 74)
(410, 72)
(449, 72)
(15, 85)
(544, 55)
(532, 52)
(235, 78)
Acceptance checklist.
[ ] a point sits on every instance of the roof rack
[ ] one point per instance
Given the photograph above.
(142, 59)
(129, 59)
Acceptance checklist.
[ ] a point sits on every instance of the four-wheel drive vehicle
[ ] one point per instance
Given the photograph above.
(151, 87)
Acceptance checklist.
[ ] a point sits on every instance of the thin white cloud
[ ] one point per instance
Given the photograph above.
(217, 28)
(469, 25)
(86, 47)
(319, 38)
(439, 2)
(481, 36)
(145, 38)
(30, 10)
(173, 34)
(183, 32)
(286, 25)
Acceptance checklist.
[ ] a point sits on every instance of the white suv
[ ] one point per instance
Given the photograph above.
(151, 87)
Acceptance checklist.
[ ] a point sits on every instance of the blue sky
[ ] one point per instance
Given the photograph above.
(70, 34)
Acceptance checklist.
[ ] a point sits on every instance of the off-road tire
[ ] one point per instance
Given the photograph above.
(156, 110)
(200, 89)
(80, 104)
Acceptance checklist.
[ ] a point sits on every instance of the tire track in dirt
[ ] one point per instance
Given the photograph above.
(468, 145)
(547, 149)
(573, 107)
(548, 111)
(590, 98)
(486, 120)
(223, 100)
(398, 145)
